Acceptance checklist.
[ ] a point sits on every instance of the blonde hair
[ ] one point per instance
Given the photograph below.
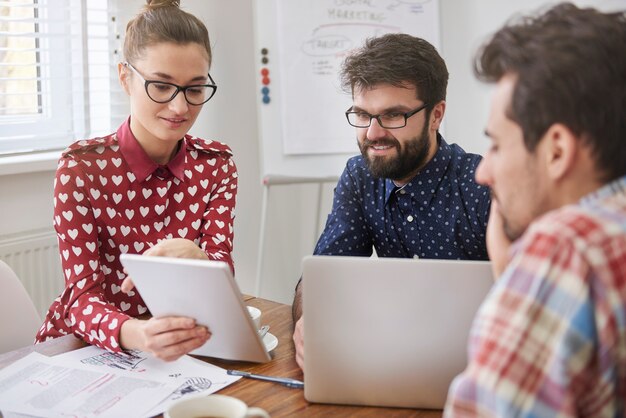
(163, 21)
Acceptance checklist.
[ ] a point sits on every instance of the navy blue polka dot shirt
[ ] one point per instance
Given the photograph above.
(441, 213)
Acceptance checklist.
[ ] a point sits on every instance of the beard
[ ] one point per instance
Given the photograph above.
(408, 161)
(510, 232)
(512, 226)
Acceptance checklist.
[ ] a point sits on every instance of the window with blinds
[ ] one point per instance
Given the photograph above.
(58, 73)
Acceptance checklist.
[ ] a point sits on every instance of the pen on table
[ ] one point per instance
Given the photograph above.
(292, 383)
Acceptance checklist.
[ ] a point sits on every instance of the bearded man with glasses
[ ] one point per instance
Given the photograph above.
(409, 194)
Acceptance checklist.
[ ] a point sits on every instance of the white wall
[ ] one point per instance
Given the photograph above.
(231, 117)
(26, 202)
(465, 25)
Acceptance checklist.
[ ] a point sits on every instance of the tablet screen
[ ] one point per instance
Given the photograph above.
(205, 291)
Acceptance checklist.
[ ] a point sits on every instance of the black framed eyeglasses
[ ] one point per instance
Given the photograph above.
(391, 120)
(163, 92)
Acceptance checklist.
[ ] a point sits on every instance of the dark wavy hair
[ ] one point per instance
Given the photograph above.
(397, 59)
(570, 65)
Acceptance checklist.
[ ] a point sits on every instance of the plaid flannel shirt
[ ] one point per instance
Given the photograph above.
(550, 338)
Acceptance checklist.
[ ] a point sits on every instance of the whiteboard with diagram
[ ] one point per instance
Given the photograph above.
(301, 45)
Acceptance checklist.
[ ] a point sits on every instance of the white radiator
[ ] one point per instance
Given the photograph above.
(34, 256)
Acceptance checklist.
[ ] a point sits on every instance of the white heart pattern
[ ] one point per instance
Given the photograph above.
(103, 209)
(78, 196)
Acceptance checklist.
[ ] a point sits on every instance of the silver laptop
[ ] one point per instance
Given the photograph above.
(387, 332)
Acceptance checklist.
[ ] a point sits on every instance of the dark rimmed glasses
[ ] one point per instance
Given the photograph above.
(392, 120)
(163, 92)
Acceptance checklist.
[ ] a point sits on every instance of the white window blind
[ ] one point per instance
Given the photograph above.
(58, 73)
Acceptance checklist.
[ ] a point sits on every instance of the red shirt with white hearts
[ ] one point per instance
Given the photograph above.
(111, 198)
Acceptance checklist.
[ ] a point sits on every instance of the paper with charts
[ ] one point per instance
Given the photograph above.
(93, 382)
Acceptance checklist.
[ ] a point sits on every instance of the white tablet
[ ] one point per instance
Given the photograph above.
(204, 290)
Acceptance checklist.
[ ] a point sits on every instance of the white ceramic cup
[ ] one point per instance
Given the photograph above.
(218, 406)
(255, 314)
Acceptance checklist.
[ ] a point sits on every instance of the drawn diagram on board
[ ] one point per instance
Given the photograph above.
(314, 38)
(415, 5)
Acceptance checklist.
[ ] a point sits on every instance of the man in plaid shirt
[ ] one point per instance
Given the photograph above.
(550, 338)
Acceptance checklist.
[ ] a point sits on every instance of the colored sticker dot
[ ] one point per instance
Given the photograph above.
(265, 80)
(265, 72)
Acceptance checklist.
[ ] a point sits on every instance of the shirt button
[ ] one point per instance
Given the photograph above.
(402, 191)
(409, 218)
(416, 256)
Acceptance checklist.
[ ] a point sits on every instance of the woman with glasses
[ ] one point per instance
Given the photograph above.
(149, 188)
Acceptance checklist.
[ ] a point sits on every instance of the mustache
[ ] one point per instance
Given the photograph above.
(381, 142)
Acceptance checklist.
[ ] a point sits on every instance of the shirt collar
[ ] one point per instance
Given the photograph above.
(614, 187)
(426, 182)
(141, 164)
(590, 199)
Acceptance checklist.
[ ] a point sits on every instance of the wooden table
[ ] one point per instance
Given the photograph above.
(278, 400)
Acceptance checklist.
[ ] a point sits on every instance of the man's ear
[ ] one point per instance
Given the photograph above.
(123, 75)
(561, 148)
(436, 115)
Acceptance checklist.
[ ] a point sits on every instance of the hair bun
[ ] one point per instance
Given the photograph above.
(155, 4)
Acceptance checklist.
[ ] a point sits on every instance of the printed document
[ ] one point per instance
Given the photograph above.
(93, 382)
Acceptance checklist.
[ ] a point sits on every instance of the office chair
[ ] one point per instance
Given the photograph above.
(19, 320)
